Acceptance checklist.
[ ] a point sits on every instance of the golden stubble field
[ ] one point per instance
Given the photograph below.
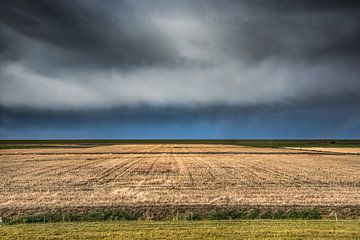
(176, 175)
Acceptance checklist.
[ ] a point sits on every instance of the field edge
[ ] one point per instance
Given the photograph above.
(203, 212)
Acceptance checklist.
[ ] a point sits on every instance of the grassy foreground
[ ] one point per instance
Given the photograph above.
(250, 229)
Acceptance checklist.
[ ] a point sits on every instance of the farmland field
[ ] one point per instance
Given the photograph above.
(163, 180)
(137, 230)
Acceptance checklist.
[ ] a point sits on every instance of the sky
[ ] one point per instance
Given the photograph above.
(168, 69)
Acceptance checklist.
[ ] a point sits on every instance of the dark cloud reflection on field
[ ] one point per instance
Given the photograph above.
(95, 57)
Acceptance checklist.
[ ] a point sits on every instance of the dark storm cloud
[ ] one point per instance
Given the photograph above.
(3, 42)
(84, 27)
(303, 5)
(107, 54)
(294, 30)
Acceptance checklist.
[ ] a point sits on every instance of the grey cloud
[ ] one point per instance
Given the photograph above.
(106, 54)
(89, 28)
(3, 44)
(257, 31)
(304, 5)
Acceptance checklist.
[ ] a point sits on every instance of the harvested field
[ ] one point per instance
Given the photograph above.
(331, 149)
(42, 180)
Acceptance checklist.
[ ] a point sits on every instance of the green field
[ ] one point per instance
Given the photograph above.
(250, 229)
(14, 144)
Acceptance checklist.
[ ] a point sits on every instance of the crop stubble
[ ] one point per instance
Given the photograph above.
(175, 174)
